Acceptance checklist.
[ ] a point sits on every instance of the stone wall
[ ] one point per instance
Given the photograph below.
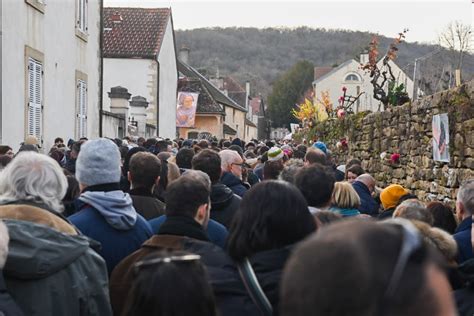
(407, 130)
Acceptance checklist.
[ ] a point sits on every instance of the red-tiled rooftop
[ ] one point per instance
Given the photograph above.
(134, 32)
(321, 71)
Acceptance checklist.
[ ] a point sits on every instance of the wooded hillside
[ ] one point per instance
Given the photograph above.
(261, 55)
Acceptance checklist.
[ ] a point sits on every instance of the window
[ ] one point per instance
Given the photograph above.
(81, 16)
(233, 115)
(352, 77)
(81, 109)
(35, 98)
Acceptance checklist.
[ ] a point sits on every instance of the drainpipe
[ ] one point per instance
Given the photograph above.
(101, 64)
(157, 97)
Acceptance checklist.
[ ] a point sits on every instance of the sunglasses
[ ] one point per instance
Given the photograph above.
(154, 261)
(412, 242)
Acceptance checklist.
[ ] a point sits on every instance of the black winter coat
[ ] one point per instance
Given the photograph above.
(268, 267)
(7, 305)
(465, 296)
(224, 204)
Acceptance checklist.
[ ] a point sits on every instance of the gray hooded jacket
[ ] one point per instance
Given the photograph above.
(51, 273)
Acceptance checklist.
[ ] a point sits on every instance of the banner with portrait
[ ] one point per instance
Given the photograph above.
(186, 109)
(440, 125)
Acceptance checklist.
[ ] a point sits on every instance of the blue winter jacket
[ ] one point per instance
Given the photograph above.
(109, 218)
(234, 183)
(367, 202)
(463, 239)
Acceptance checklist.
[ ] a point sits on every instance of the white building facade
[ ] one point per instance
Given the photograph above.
(355, 80)
(51, 70)
(145, 65)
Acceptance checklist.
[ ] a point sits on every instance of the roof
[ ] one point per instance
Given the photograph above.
(229, 130)
(235, 91)
(321, 71)
(134, 32)
(347, 62)
(249, 123)
(327, 74)
(218, 96)
(206, 103)
(254, 103)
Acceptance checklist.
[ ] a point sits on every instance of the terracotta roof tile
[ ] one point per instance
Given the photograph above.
(321, 71)
(134, 32)
(255, 105)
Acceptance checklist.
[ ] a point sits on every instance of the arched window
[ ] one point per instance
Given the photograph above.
(352, 78)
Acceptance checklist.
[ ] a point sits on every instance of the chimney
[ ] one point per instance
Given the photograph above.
(119, 97)
(138, 107)
(184, 54)
(364, 58)
(116, 17)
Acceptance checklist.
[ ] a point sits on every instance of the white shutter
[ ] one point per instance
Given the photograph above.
(86, 4)
(35, 83)
(81, 116)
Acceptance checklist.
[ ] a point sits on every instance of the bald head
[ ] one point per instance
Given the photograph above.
(368, 180)
(315, 155)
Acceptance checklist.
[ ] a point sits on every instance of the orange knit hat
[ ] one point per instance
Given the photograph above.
(391, 195)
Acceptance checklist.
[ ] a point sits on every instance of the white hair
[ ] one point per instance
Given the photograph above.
(465, 196)
(33, 177)
(4, 239)
(228, 157)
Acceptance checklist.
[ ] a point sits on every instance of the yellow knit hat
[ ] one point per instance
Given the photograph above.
(391, 195)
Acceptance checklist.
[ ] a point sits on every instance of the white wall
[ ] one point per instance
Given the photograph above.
(137, 75)
(168, 85)
(335, 81)
(52, 33)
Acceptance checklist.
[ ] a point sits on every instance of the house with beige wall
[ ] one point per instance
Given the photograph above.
(51, 70)
(350, 75)
(226, 113)
(139, 54)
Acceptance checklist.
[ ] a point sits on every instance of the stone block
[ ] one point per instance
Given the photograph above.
(469, 163)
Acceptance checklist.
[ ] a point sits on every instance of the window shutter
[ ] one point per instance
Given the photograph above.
(86, 7)
(79, 13)
(35, 82)
(81, 116)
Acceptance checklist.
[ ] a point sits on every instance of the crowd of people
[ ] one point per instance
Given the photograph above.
(139, 226)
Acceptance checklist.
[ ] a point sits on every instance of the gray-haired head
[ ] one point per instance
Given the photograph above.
(465, 196)
(367, 179)
(199, 176)
(292, 166)
(33, 177)
(414, 209)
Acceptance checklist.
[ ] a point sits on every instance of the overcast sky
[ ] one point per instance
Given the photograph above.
(424, 18)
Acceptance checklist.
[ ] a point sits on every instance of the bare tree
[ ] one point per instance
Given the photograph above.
(457, 37)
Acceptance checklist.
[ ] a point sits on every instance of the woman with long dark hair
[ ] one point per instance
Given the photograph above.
(273, 216)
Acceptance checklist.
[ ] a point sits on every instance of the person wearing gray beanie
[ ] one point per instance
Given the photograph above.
(106, 213)
(98, 163)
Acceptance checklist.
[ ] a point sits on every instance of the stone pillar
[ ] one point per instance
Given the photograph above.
(138, 107)
(119, 97)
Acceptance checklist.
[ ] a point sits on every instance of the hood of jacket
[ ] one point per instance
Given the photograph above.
(115, 206)
(37, 251)
(221, 195)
